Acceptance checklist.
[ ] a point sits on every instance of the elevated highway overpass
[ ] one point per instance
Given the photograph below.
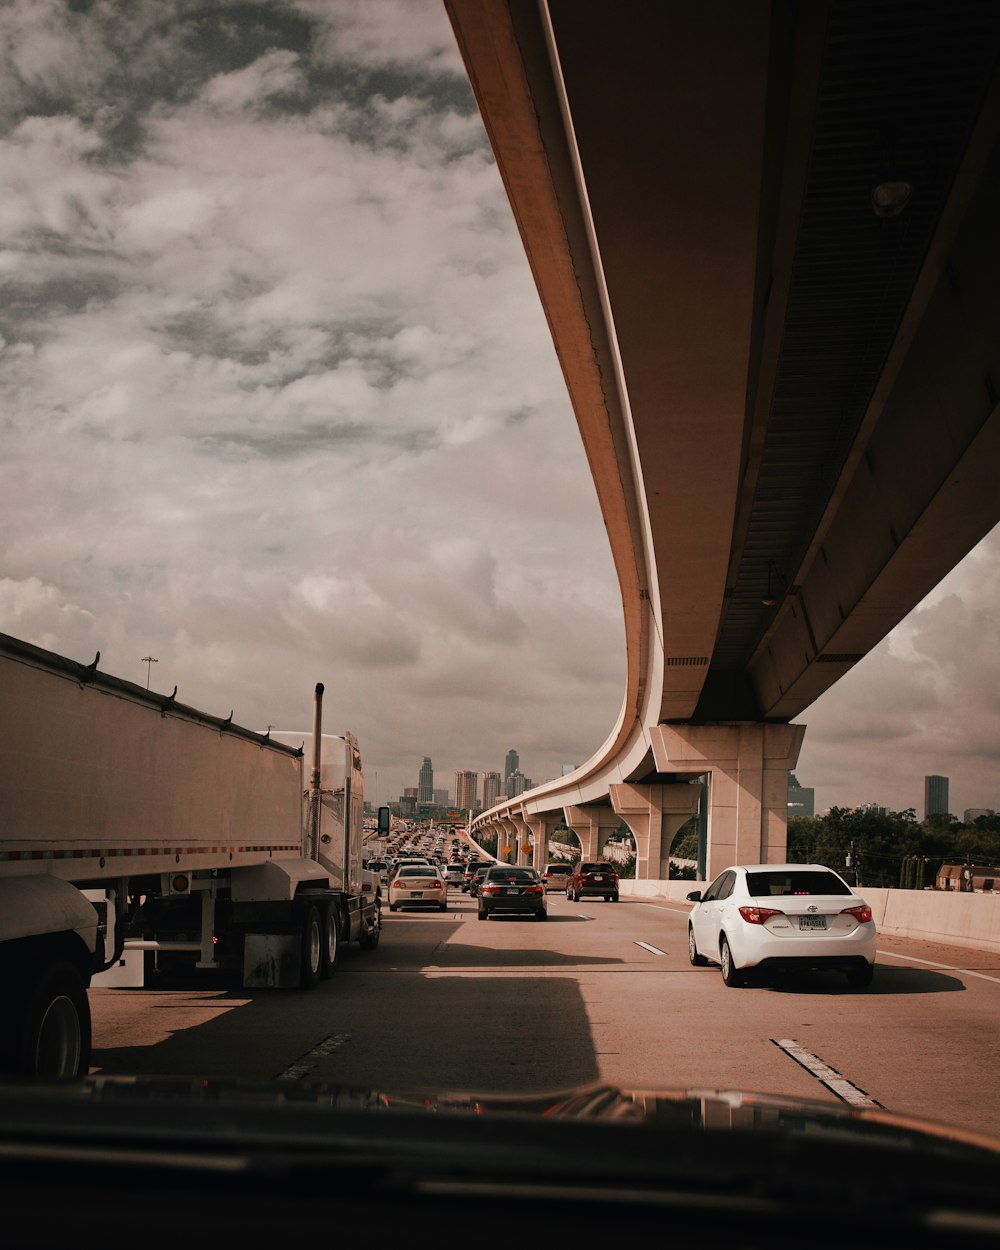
(765, 239)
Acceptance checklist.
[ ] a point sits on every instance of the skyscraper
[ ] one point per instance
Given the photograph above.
(425, 786)
(510, 765)
(801, 799)
(491, 790)
(517, 783)
(935, 796)
(465, 789)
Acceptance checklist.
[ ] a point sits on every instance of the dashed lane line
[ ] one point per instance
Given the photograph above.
(836, 1083)
(310, 1060)
(653, 950)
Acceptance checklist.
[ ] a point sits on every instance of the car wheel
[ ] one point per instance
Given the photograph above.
(614, 898)
(731, 975)
(859, 978)
(484, 915)
(394, 907)
(443, 907)
(697, 961)
(541, 915)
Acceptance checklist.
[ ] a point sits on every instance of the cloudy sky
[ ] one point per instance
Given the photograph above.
(280, 406)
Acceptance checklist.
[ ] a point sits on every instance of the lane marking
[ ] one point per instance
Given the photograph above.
(302, 1067)
(653, 950)
(837, 1084)
(966, 972)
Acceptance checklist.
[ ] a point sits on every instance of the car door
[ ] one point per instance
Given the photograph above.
(707, 916)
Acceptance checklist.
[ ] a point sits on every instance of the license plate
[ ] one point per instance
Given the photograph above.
(416, 894)
(598, 878)
(512, 891)
(812, 922)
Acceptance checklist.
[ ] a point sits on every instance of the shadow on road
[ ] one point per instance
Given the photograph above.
(373, 1026)
(888, 980)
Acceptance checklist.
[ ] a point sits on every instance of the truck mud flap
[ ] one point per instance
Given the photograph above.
(271, 961)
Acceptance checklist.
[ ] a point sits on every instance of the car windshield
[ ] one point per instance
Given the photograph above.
(762, 884)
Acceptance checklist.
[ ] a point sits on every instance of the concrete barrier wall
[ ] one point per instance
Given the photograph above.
(968, 920)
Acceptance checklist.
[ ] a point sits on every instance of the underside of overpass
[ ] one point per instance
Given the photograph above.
(764, 236)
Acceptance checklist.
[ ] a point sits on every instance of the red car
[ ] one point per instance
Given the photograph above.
(593, 878)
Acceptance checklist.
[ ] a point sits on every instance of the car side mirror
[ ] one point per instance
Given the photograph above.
(694, 896)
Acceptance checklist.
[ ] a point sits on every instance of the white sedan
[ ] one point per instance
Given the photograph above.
(782, 916)
(418, 884)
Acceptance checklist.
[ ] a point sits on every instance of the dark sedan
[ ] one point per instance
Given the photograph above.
(505, 889)
(476, 880)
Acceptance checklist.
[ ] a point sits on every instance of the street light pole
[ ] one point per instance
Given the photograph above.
(149, 661)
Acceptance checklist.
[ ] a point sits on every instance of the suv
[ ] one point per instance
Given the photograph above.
(594, 878)
(556, 876)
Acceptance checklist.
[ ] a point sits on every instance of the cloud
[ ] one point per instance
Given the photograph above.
(280, 406)
(924, 702)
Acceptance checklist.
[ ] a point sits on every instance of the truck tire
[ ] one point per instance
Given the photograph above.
(311, 961)
(331, 944)
(54, 1035)
(370, 934)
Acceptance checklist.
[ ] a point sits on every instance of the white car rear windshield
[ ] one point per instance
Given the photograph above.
(811, 881)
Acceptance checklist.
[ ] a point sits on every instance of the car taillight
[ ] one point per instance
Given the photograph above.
(535, 889)
(757, 915)
(489, 889)
(862, 914)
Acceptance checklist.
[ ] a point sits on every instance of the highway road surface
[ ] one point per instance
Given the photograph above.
(600, 992)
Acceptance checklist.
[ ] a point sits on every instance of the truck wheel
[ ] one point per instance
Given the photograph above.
(370, 937)
(331, 946)
(311, 962)
(55, 1025)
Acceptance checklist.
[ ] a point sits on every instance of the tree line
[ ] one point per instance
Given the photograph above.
(872, 847)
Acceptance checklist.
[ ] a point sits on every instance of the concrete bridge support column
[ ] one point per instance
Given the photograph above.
(654, 814)
(520, 841)
(748, 786)
(506, 836)
(591, 822)
(542, 827)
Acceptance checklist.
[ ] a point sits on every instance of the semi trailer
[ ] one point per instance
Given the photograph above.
(131, 822)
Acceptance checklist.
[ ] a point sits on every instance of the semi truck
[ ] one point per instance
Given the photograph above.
(132, 822)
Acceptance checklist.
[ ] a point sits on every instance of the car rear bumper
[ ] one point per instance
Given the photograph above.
(520, 907)
(830, 950)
